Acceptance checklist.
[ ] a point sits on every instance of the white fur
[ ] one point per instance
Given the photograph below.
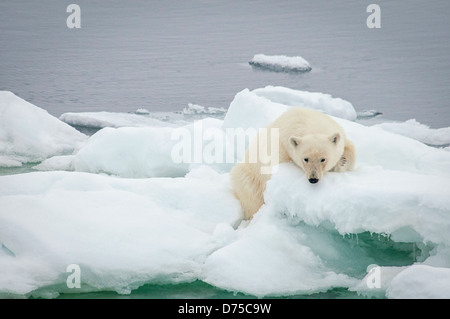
(312, 140)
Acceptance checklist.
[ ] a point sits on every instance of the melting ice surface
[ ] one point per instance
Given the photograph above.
(117, 205)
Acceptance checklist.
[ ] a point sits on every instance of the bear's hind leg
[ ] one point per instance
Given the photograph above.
(248, 188)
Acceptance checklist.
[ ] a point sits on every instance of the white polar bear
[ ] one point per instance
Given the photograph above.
(310, 139)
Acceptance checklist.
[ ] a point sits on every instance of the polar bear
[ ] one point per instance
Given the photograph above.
(309, 138)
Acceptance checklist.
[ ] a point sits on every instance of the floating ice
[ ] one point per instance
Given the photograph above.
(29, 134)
(420, 132)
(100, 120)
(150, 151)
(7, 161)
(121, 232)
(184, 224)
(273, 258)
(147, 151)
(142, 112)
(399, 187)
(140, 118)
(257, 108)
(418, 281)
(368, 114)
(280, 63)
(421, 281)
(377, 200)
(195, 109)
(130, 152)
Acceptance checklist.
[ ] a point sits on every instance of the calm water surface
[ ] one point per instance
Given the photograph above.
(162, 55)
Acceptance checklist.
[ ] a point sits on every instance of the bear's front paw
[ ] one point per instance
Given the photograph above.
(341, 165)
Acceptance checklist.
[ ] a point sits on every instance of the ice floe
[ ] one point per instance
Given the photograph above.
(280, 63)
(30, 134)
(127, 213)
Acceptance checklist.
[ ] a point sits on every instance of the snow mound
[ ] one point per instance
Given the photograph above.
(421, 282)
(280, 63)
(29, 134)
(258, 108)
(150, 151)
(129, 152)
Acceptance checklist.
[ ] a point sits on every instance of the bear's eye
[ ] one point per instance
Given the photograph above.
(306, 160)
(322, 160)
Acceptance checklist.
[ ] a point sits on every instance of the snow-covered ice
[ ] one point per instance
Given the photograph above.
(124, 211)
(121, 232)
(420, 132)
(100, 120)
(140, 118)
(139, 151)
(258, 107)
(29, 134)
(280, 63)
(146, 150)
(421, 281)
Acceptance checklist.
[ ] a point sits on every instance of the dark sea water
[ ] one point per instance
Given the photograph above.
(162, 55)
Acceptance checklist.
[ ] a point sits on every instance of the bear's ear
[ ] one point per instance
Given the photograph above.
(294, 140)
(335, 138)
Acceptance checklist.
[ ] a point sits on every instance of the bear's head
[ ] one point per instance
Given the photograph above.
(316, 153)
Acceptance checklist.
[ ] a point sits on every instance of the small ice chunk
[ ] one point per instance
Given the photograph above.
(418, 131)
(368, 114)
(100, 120)
(195, 109)
(142, 112)
(280, 63)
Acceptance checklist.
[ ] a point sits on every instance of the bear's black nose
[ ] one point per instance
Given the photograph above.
(313, 180)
